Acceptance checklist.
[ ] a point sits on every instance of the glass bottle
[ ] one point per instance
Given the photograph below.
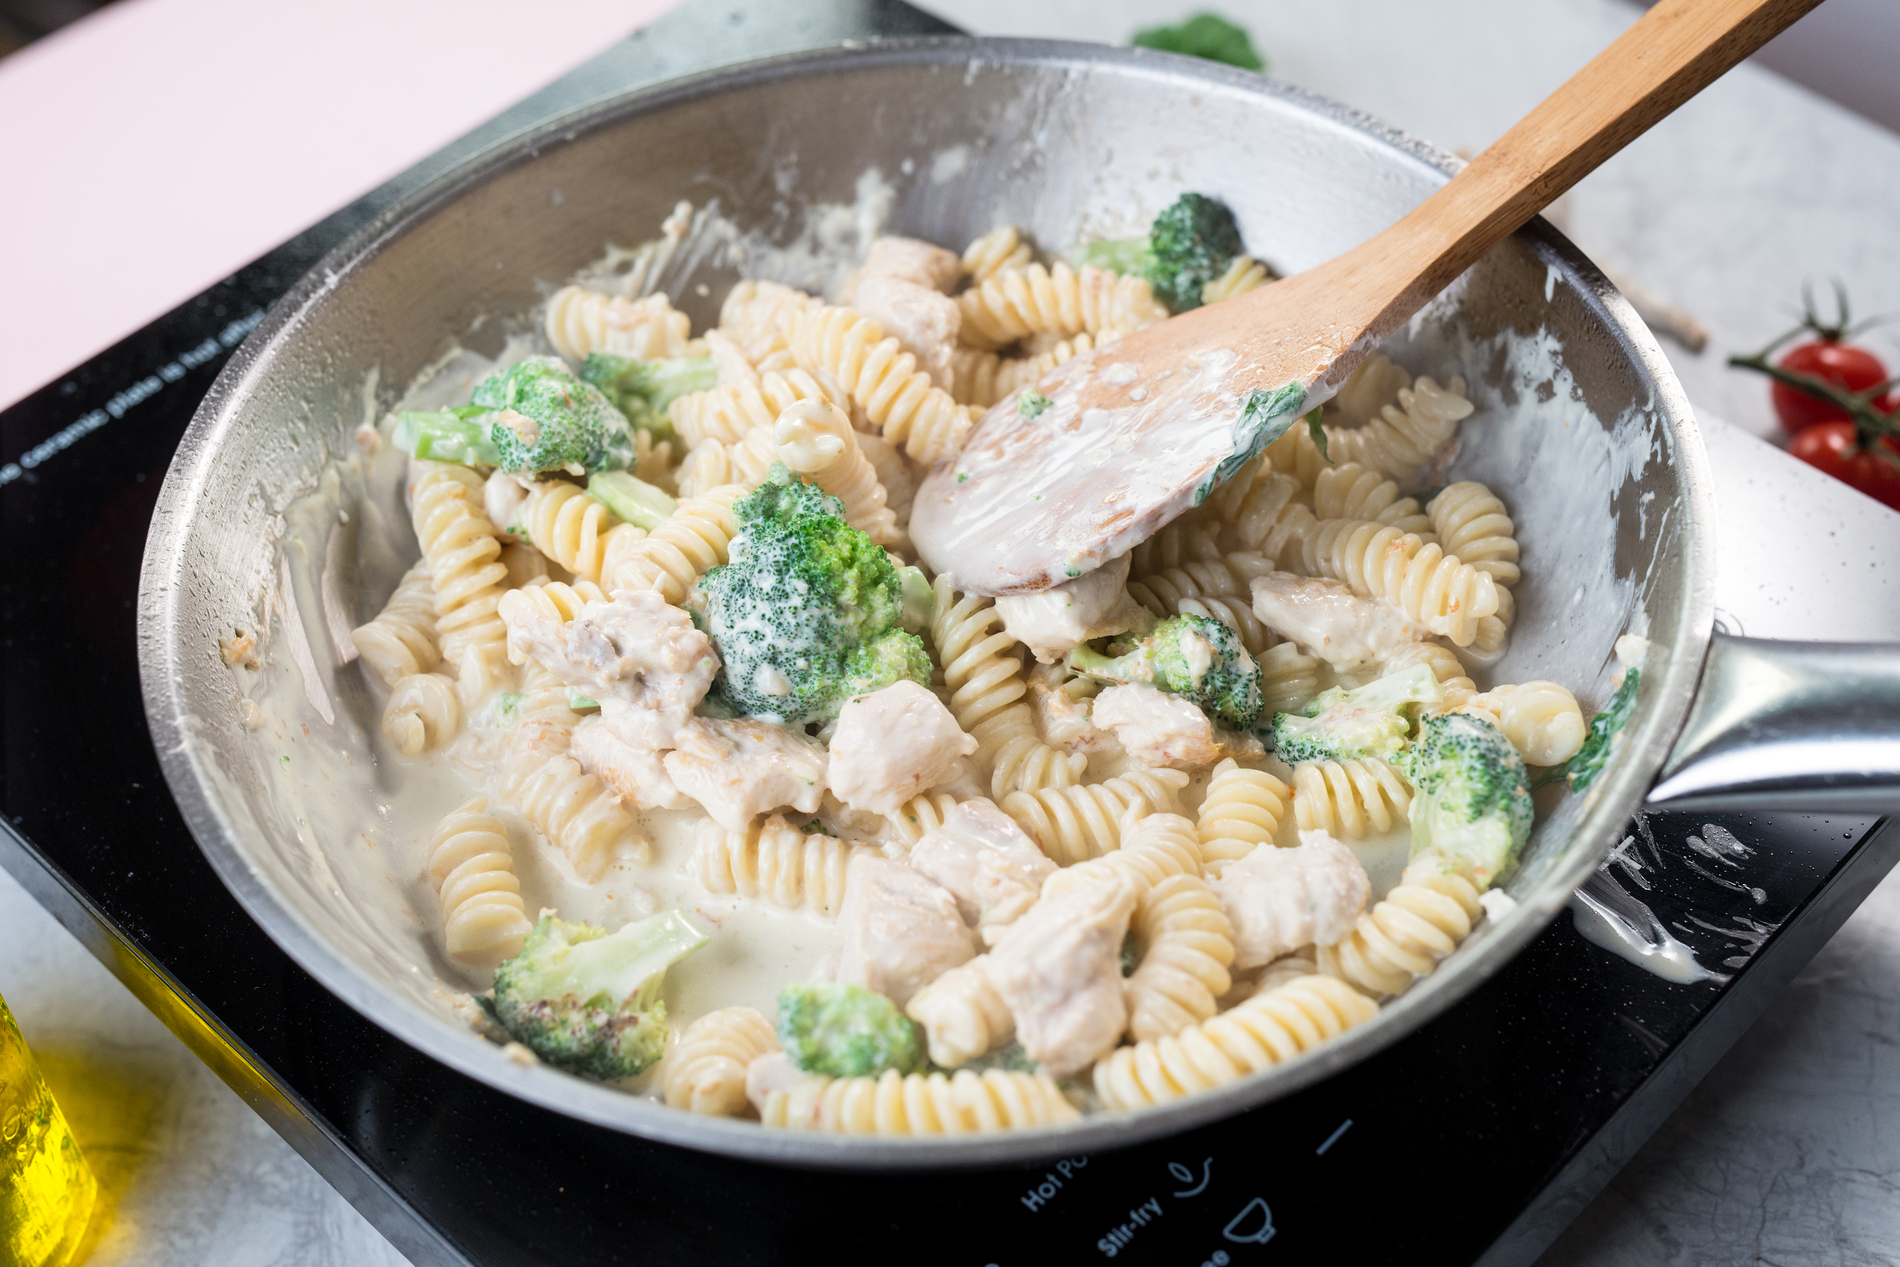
(46, 1188)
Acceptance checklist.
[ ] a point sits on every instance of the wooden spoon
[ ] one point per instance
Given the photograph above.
(1141, 430)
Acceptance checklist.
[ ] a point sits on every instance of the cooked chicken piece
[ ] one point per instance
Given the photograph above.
(638, 655)
(908, 259)
(924, 321)
(729, 360)
(502, 496)
(1281, 899)
(898, 930)
(892, 744)
(774, 1071)
(1331, 621)
(983, 857)
(637, 775)
(1160, 729)
(1063, 713)
(1059, 970)
(1055, 621)
(742, 768)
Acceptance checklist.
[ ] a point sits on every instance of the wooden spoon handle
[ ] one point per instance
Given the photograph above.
(1672, 52)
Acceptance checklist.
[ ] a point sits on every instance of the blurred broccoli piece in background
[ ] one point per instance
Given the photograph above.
(544, 418)
(1205, 35)
(1189, 245)
(846, 1031)
(588, 1001)
(643, 389)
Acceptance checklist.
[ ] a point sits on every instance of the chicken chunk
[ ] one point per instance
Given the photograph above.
(739, 769)
(1160, 729)
(1331, 621)
(892, 744)
(1281, 899)
(898, 930)
(985, 860)
(1057, 620)
(637, 775)
(1064, 715)
(502, 496)
(922, 263)
(1059, 970)
(923, 320)
(638, 655)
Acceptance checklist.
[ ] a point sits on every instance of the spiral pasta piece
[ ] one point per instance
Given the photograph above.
(963, 1103)
(1216, 588)
(1351, 798)
(1472, 523)
(1288, 678)
(706, 1072)
(1438, 590)
(483, 919)
(1183, 541)
(1061, 301)
(1268, 1029)
(1186, 945)
(1351, 491)
(570, 527)
(1154, 848)
(401, 640)
(982, 378)
(897, 397)
(550, 600)
(1541, 719)
(1071, 824)
(1271, 522)
(1244, 273)
(1407, 435)
(580, 815)
(744, 462)
(754, 316)
(1295, 456)
(920, 814)
(464, 555)
(423, 713)
(727, 413)
(815, 439)
(962, 1015)
(1242, 811)
(668, 560)
(985, 679)
(995, 251)
(581, 321)
(1421, 920)
(774, 862)
(1445, 665)
(1368, 389)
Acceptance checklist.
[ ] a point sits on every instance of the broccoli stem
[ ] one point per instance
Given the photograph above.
(631, 499)
(1127, 256)
(1089, 662)
(449, 435)
(656, 383)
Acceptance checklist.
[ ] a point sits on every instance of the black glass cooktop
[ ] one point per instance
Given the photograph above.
(1476, 1139)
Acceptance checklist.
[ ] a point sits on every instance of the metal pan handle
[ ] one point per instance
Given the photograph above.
(1806, 726)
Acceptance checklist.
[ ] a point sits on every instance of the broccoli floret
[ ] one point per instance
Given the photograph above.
(1010, 1058)
(1600, 742)
(543, 418)
(1128, 256)
(1204, 35)
(1188, 245)
(586, 1000)
(845, 1031)
(1370, 721)
(1193, 656)
(447, 435)
(643, 389)
(1472, 801)
(631, 499)
(809, 610)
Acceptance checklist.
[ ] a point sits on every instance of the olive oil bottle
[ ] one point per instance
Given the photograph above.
(46, 1188)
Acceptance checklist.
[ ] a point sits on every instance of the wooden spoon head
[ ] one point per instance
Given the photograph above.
(1133, 434)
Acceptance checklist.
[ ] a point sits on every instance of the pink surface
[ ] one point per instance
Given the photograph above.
(158, 145)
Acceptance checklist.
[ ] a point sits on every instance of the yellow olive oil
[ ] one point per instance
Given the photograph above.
(46, 1188)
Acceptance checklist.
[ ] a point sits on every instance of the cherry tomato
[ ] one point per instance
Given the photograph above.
(1850, 368)
(1831, 447)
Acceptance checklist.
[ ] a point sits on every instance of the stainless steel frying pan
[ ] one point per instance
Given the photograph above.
(1581, 426)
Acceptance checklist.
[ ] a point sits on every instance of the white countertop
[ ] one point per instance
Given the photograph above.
(1788, 1153)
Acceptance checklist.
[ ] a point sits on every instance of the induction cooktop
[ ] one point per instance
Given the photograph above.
(1476, 1139)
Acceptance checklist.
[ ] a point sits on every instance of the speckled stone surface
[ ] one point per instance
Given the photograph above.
(1788, 1153)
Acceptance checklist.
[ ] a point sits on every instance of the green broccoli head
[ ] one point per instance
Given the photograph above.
(1369, 721)
(846, 1031)
(643, 389)
(808, 612)
(1582, 769)
(1194, 656)
(544, 418)
(1192, 241)
(586, 1000)
(1472, 795)
(1204, 35)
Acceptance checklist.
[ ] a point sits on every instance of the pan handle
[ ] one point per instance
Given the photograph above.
(1805, 726)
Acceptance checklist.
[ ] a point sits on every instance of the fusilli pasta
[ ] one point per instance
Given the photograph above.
(1407, 435)
(995, 251)
(1288, 678)
(1541, 719)
(705, 1073)
(774, 862)
(920, 814)
(423, 712)
(580, 321)
(1242, 811)
(674, 555)
(551, 600)
(980, 377)
(1271, 522)
(1350, 798)
(570, 527)
(962, 1014)
(1060, 300)
(1243, 274)
(1350, 491)
(1436, 589)
(483, 919)
(1070, 824)
(727, 413)
(1156, 847)
(1185, 944)
(464, 555)
(1472, 523)
(814, 438)
(897, 397)
(577, 813)
(401, 640)
(1420, 921)
(962, 1103)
